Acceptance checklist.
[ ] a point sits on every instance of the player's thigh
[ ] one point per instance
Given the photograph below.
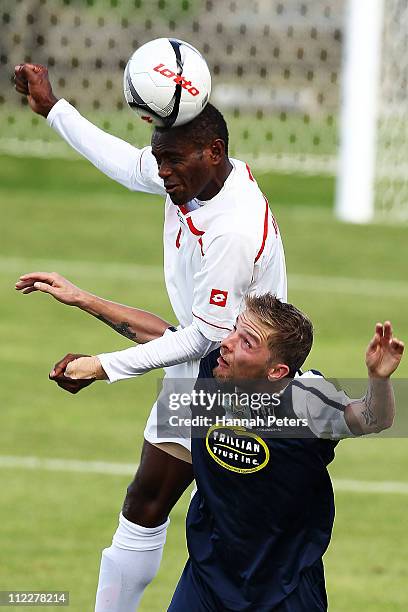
(169, 419)
(159, 482)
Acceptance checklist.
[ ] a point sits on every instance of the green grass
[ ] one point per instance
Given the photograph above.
(54, 525)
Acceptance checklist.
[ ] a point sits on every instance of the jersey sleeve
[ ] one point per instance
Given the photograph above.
(172, 348)
(221, 284)
(134, 168)
(322, 405)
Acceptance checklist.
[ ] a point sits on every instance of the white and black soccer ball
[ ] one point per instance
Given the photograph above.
(167, 82)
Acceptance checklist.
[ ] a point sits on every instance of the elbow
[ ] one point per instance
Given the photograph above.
(386, 424)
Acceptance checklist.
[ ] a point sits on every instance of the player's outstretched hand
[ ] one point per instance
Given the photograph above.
(384, 352)
(50, 282)
(70, 385)
(32, 80)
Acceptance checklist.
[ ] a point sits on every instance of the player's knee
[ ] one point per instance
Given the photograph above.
(142, 489)
(144, 504)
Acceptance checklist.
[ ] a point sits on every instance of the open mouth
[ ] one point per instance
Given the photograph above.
(171, 188)
(221, 361)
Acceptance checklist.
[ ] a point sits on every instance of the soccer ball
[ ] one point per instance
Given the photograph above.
(167, 82)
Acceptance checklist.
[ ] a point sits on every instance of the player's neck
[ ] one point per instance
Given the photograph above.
(217, 183)
(276, 386)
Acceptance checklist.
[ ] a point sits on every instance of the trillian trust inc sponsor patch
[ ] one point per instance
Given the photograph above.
(236, 449)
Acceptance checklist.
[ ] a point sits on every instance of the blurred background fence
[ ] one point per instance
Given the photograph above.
(276, 65)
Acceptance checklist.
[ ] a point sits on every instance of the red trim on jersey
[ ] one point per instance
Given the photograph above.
(183, 209)
(178, 239)
(200, 242)
(265, 232)
(192, 227)
(251, 177)
(275, 225)
(212, 324)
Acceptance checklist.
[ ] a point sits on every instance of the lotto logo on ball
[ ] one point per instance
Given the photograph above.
(179, 79)
(218, 297)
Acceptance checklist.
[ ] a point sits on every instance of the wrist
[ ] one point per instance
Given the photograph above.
(48, 105)
(373, 376)
(82, 300)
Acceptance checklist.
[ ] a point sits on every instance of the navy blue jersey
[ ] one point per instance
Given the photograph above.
(262, 515)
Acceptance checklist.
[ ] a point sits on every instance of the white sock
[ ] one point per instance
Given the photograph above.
(129, 565)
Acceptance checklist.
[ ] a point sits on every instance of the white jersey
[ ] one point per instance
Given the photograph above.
(219, 251)
(215, 252)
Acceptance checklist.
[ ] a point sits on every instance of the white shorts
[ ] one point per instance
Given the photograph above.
(178, 379)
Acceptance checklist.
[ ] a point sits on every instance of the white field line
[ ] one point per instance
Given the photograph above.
(350, 286)
(128, 469)
(99, 270)
(130, 272)
(367, 486)
(67, 465)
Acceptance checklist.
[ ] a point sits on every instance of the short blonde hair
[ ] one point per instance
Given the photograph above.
(291, 332)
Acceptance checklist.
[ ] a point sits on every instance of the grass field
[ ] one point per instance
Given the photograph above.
(53, 525)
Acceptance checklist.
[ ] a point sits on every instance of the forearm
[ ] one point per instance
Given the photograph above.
(113, 156)
(135, 324)
(376, 411)
(379, 405)
(172, 348)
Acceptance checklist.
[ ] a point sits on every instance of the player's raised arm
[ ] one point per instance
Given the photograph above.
(211, 323)
(331, 414)
(134, 168)
(133, 323)
(179, 347)
(376, 411)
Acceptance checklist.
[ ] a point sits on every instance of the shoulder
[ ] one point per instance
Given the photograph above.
(319, 391)
(245, 199)
(243, 186)
(323, 405)
(239, 214)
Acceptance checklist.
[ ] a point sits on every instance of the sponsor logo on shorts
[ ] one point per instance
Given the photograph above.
(218, 297)
(236, 449)
(177, 78)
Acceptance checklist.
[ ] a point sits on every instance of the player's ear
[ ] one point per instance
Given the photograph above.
(217, 151)
(277, 371)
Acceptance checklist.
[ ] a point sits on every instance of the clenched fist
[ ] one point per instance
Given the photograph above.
(57, 374)
(32, 80)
